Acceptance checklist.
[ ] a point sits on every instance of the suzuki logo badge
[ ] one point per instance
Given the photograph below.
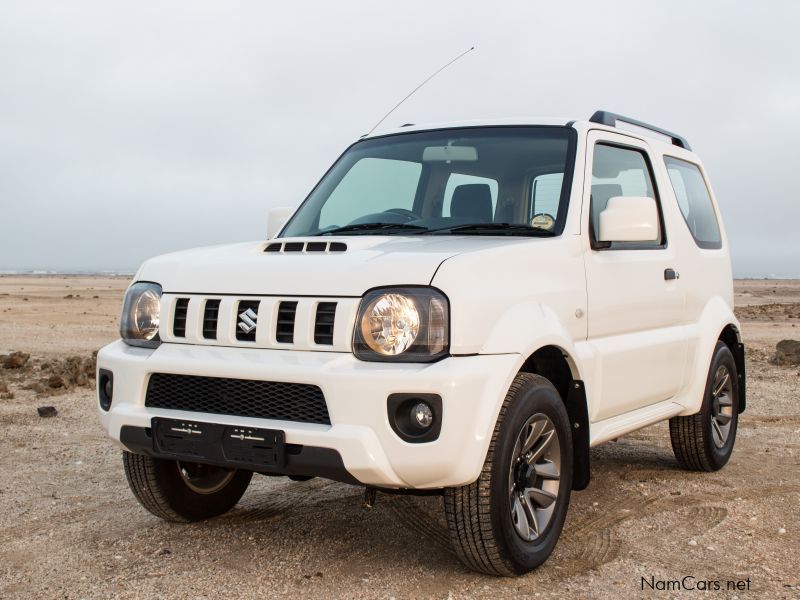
(247, 320)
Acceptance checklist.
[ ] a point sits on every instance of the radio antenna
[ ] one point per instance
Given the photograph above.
(396, 106)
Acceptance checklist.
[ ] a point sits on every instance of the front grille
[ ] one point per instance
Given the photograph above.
(179, 322)
(247, 314)
(304, 323)
(323, 325)
(210, 318)
(299, 402)
(284, 332)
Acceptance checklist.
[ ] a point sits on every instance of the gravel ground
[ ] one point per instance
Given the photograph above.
(69, 527)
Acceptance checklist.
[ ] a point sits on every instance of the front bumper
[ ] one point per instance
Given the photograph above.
(472, 389)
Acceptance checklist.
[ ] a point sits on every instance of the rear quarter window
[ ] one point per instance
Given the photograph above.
(694, 202)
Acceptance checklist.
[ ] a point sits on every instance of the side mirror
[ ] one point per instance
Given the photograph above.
(276, 219)
(629, 219)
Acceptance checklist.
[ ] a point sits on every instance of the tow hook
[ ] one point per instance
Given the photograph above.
(370, 497)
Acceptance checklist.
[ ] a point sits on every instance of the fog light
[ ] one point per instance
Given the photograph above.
(422, 415)
(415, 418)
(105, 388)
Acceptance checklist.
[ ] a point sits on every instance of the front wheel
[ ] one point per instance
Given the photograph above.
(509, 520)
(183, 491)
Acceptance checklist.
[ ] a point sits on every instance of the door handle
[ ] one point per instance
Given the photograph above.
(670, 274)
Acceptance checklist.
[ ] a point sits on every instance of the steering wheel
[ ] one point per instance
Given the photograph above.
(412, 216)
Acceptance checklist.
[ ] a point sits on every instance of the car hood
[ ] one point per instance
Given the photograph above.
(367, 262)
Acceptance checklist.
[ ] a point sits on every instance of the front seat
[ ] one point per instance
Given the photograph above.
(472, 201)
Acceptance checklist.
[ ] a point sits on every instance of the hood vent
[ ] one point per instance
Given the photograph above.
(306, 247)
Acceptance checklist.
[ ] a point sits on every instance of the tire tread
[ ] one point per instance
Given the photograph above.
(468, 508)
(142, 478)
(688, 437)
(691, 435)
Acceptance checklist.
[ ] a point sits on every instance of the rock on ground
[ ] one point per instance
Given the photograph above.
(63, 374)
(47, 411)
(787, 353)
(15, 360)
(56, 381)
(73, 370)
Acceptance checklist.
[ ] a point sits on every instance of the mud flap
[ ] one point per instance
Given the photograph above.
(738, 358)
(579, 421)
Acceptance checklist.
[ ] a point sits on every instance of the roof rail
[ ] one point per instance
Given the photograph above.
(604, 117)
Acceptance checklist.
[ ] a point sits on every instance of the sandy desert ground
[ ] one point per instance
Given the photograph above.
(69, 527)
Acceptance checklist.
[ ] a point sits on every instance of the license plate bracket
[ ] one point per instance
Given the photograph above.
(246, 447)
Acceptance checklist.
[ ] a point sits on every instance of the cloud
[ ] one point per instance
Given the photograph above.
(130, 130)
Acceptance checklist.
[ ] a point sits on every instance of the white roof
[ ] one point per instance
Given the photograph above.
(471, 123)
(579, 124)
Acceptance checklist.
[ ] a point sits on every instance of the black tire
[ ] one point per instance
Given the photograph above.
(696, 438)
(479, 515)
(161, 488)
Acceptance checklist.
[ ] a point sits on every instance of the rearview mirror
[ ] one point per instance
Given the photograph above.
(276, 219)
(629, 219)
(450, 153)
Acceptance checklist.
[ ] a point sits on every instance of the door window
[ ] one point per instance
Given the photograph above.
(618, 171)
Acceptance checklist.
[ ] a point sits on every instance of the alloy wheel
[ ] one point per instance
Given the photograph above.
(721, 406)
(534, 477)
(204, 479)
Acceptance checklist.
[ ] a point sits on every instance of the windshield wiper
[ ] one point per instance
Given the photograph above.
(365, 227)
(492, 229)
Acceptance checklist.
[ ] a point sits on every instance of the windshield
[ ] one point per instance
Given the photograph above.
(484, 181)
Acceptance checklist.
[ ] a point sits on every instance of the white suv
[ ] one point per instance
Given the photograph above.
(463, 309)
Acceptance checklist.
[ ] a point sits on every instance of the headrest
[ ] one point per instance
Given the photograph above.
(601, 193)
(473, 201)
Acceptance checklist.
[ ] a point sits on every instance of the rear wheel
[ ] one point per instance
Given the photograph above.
(704, 441)
(183, 491)
(509, 520)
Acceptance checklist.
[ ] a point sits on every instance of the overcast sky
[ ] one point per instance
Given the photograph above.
(128, 129)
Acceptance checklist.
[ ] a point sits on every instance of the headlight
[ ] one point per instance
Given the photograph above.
(402, 324)
(141, 312)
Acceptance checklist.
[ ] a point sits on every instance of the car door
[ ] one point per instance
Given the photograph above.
(635, 300)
